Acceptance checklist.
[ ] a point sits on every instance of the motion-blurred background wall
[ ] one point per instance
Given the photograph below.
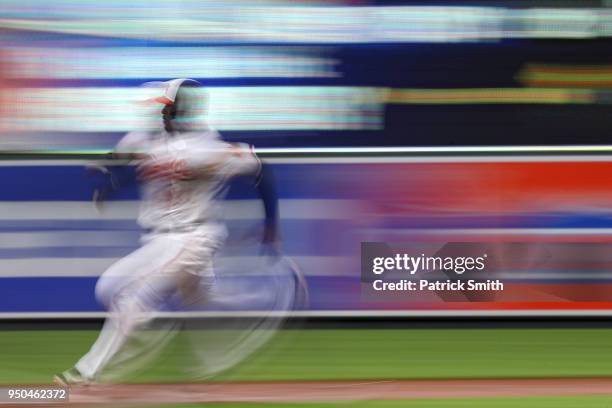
(282, 75)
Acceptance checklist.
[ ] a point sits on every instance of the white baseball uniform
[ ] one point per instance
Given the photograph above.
(183, 177)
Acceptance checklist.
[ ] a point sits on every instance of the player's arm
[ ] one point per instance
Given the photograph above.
(108, 179)
(241, 160)
(218, 160)
(246, 162)
(266, 188)
(232, 160)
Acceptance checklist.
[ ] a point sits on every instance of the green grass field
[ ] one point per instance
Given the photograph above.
(34, 356)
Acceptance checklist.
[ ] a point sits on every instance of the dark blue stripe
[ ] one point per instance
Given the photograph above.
(48, 295)
(77, 294)
(67, 225)
(293, 181)
(315, 227)
(71, 183)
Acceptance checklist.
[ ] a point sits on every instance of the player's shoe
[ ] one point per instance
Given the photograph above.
(70, 378)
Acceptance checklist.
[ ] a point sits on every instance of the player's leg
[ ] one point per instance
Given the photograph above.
(122, 339)
(196, 277)
(270, 287)
(188, 274)
(132, 289)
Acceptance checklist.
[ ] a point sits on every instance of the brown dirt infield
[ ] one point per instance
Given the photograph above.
(335, 391)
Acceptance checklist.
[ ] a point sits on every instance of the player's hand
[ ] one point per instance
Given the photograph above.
(97, 200)
(271, 241)
(96, 169)
(102, 179)
(270, 234)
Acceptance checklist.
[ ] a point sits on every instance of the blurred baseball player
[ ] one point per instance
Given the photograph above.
(183, 171)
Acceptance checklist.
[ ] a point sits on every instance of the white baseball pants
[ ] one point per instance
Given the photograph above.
(135, 287)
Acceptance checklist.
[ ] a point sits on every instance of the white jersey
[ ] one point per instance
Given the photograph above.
(183, 176)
